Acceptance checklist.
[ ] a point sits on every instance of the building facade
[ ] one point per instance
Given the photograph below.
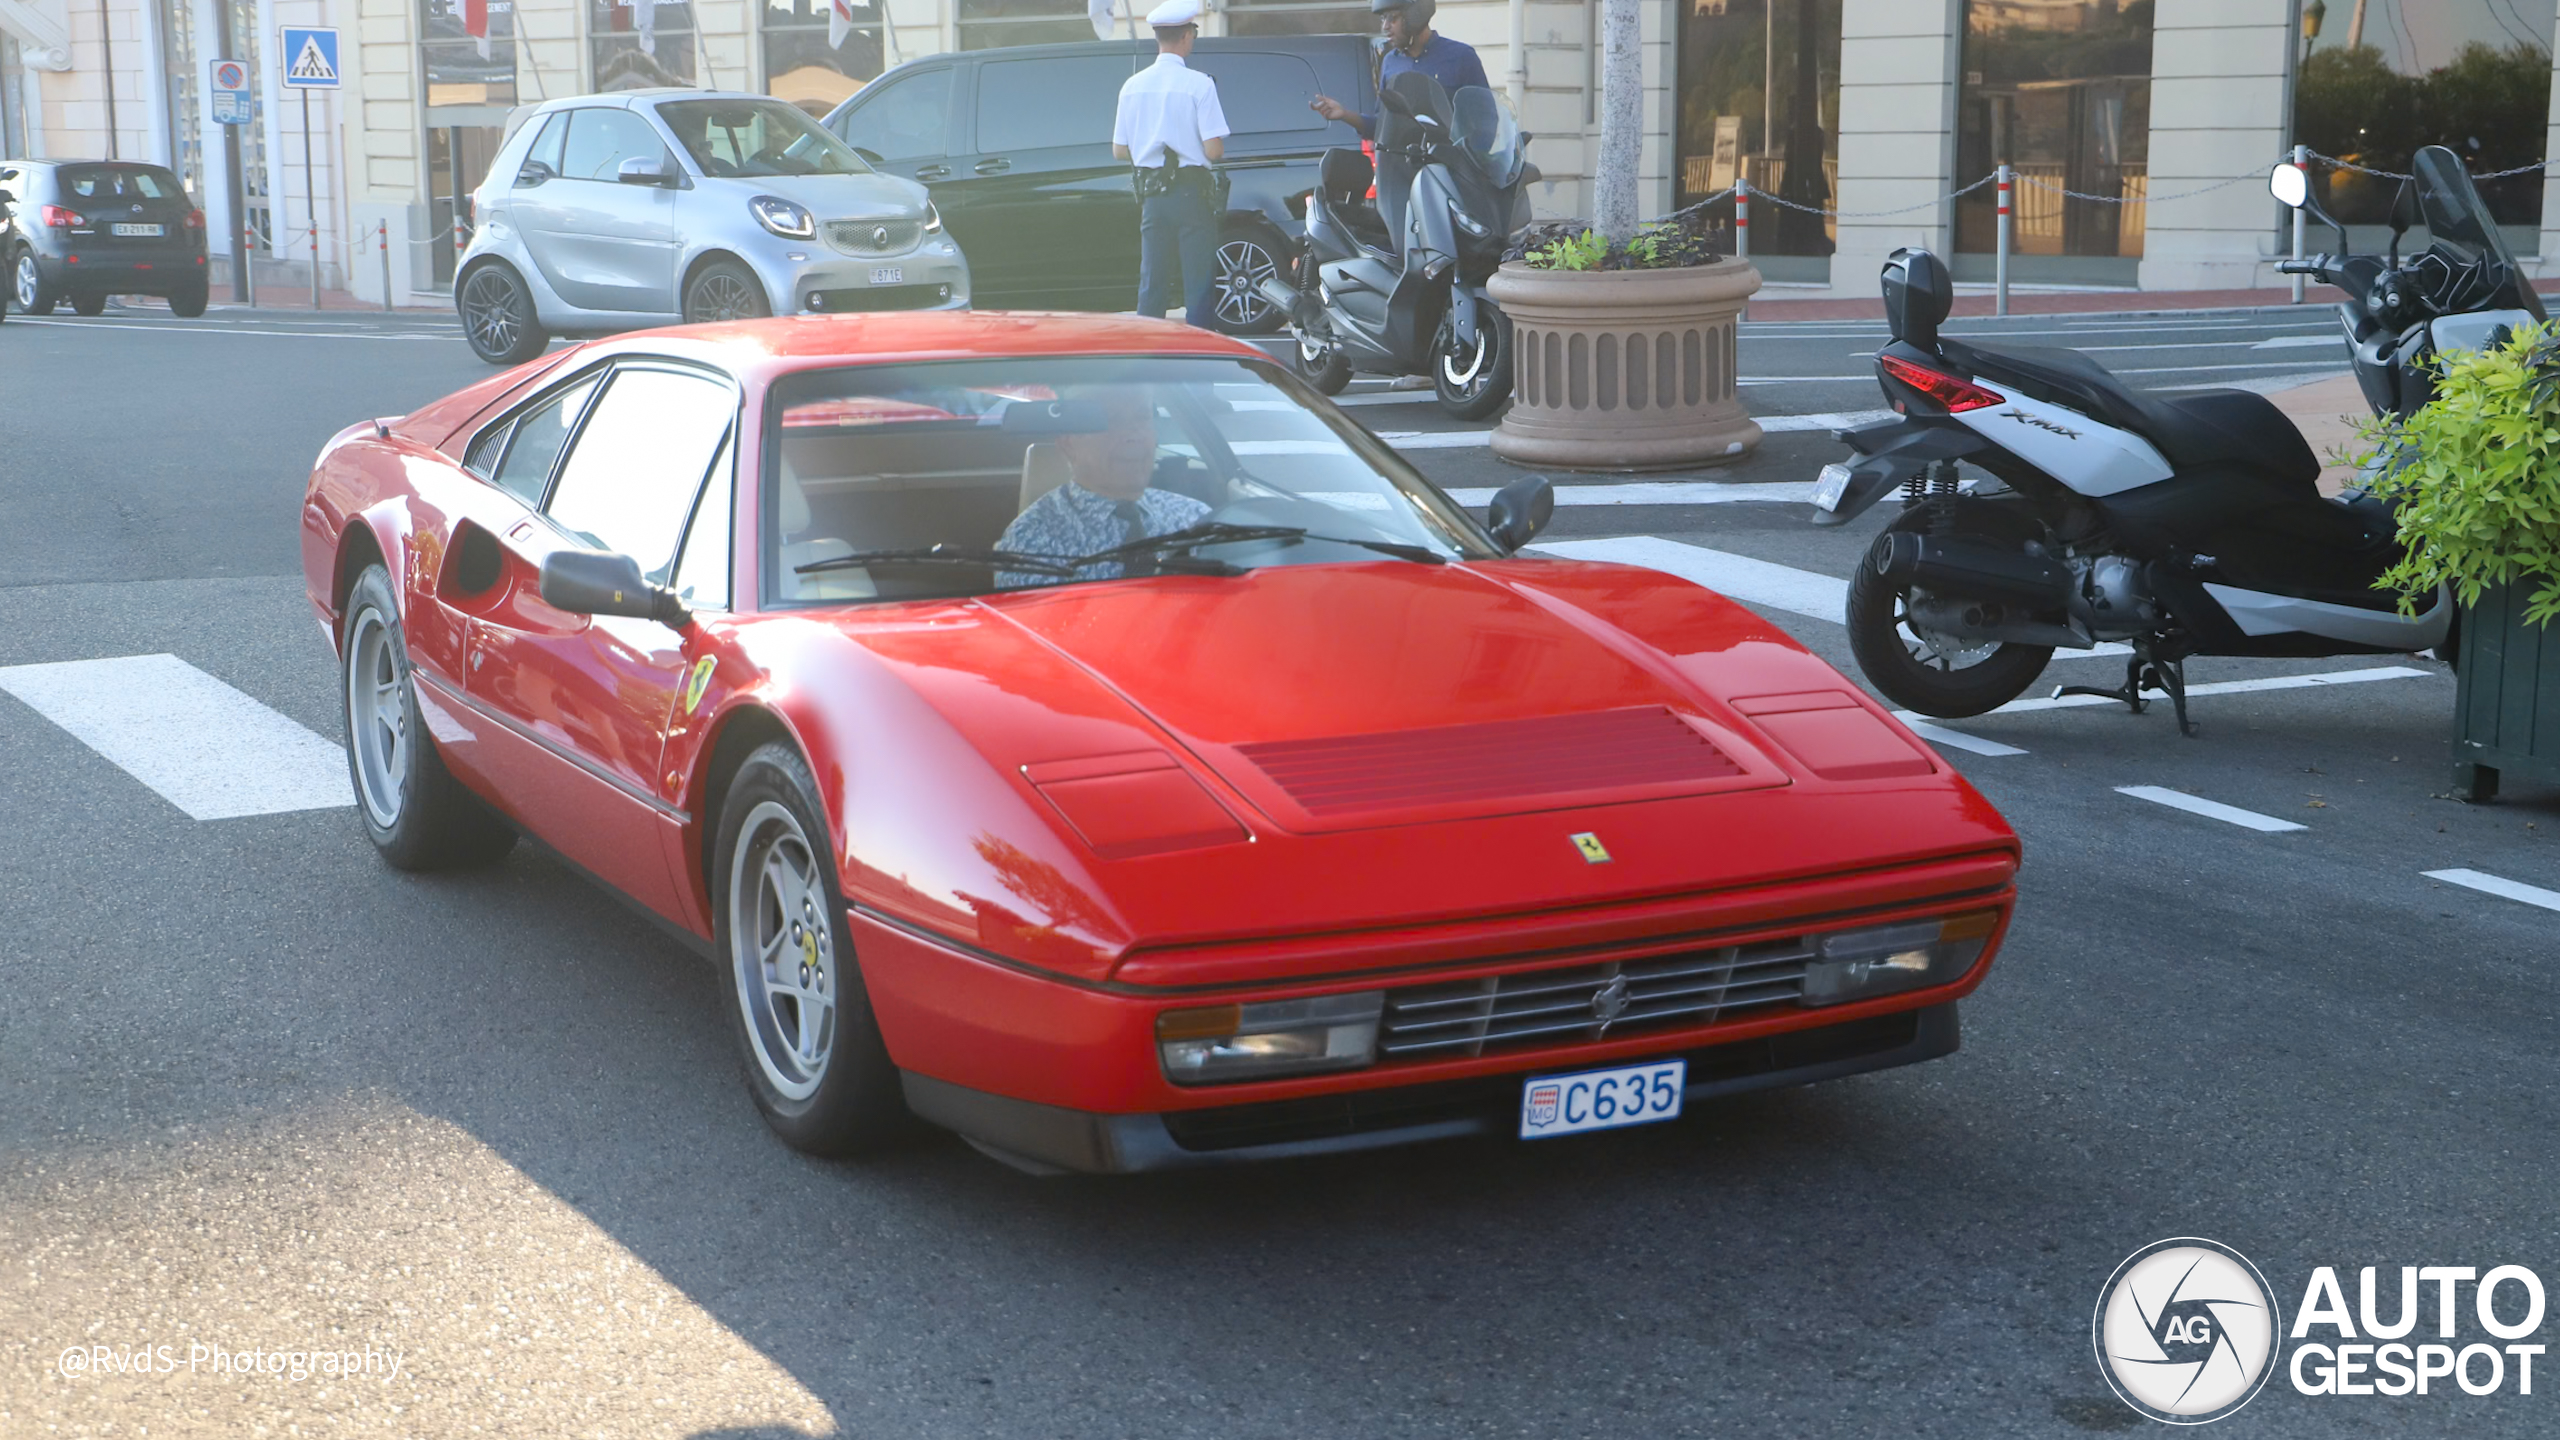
(2136, 128)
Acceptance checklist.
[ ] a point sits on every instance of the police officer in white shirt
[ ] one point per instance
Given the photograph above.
(1171, 127)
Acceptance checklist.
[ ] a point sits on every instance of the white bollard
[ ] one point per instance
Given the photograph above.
(2000, 264)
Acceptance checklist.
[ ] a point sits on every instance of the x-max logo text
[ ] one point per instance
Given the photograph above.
(2038, 421)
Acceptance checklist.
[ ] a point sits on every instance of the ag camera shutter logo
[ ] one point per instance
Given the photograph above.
(2186, 1330)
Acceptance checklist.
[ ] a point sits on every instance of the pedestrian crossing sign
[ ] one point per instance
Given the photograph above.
(311, 58)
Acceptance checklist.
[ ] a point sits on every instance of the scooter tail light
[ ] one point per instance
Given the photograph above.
(1957, 395)
(54, 217)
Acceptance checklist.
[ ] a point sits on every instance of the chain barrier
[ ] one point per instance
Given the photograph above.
(2337, 164)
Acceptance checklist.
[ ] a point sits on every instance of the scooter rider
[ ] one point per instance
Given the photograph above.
(1411, 45)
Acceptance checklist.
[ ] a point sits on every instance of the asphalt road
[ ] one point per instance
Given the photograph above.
(258, 1092)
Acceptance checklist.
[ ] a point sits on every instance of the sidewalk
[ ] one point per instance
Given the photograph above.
(1971, 302)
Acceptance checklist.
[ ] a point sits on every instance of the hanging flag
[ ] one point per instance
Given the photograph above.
(645, 12)
(1099, 12)
(840, 21)
(475, 23)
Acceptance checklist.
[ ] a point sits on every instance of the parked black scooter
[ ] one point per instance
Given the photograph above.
(1359, 305)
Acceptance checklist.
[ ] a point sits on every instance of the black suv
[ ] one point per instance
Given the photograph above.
(1015, 145)
(82, 230)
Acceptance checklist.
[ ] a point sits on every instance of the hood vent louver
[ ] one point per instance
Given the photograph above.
(1546, 756)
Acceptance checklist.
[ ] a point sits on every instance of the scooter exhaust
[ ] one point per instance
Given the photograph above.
(1299, 308)
(1962, 565)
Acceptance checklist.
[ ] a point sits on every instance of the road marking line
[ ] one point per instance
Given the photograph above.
(2221, 687)
(2499, 886)
(189, 327)
(2210, 809)
(1662, 492)
(1769, 424)
(1954, 739)
(2296, 342)
(201, 745)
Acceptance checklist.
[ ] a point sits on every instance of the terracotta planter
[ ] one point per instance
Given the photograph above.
(1624, 369)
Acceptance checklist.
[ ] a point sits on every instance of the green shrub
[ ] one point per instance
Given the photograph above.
(2478, 478)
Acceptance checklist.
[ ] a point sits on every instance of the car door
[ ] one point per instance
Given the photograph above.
(601, 244)
(1038, 192)
(585, 701)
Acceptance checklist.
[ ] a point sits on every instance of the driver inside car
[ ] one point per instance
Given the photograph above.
(1105, 499)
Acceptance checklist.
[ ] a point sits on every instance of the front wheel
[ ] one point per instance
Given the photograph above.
(1473, 381)
(1934, 674)
(497, 316)
(724, 290)
(815, 1062)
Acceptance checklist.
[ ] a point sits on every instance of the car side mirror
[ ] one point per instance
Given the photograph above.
(1520, 510)
(644, 170)
(600, 582)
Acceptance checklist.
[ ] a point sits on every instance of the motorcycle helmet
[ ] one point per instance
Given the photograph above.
(1416, 12)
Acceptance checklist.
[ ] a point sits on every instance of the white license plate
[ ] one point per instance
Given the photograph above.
(888, 275)
(129, 228)
(1601, 1099)
(1830, 486)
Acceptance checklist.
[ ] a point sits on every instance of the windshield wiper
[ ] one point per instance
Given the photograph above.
(944, 555)
(1217, 532)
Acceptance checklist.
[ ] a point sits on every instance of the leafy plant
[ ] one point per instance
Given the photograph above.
(1586, 251)
(1662, 244)
(2476, 476)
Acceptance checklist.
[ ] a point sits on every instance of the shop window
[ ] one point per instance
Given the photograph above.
(986, 24)
(2062, 94)
(635, 44)
(2475, 79)
(802, 67)
(1296, 17)
(463, 68)
(1759, 84)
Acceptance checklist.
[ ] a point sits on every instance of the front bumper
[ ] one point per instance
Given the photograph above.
(808, 278)
(1048, 1139)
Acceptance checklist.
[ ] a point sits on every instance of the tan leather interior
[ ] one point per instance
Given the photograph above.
(1044, 468)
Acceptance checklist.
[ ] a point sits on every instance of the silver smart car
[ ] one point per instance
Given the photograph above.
(609, 212)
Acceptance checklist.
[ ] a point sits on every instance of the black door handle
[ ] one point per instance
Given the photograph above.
(932, 172)
(996, 166)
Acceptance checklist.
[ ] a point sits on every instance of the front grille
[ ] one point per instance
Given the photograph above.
(878, 297)
(874, 237)
(1498, 760)
(1587, 1002)
(1489, 1103)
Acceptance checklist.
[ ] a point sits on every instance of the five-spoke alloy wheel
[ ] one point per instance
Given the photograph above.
(417, 814)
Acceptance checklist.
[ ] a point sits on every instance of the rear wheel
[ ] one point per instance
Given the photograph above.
(1473, 381)
(1935, 674)
(27, 280)
(497, 316)
(88, 304)
(1248, 254)
(187, 301)
(815, 1062)
(416, 813)
(724, 290)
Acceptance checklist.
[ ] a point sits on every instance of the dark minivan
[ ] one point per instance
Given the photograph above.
(1015, 145)
(82, 230)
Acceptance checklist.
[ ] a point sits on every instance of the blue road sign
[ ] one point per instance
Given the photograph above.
(229, 92)
(311, 58)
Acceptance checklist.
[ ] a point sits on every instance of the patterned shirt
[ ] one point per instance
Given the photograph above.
(1072, 520)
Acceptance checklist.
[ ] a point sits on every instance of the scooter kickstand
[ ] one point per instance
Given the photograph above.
(2171, 676)
(2130, 692)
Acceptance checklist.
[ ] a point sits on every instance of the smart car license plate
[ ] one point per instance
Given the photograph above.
(128, 228)
(1601, 1099)
(1830, 486)
(888, 275)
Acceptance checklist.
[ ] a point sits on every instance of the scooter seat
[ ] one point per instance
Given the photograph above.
(2202, 428)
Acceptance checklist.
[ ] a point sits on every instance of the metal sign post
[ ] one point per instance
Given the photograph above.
(2301, 158)
(231, 109)
(311, 63)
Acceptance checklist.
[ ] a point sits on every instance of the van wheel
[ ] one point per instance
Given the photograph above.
(497, 316)
(1247, 255)
(724, 290)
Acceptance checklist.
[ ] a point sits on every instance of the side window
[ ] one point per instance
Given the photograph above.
(631, 479)
(542, 160)
(539, 434)
(600, 140)
(909, 120)
(1028, 104)
(1262, 92)
(702, 577)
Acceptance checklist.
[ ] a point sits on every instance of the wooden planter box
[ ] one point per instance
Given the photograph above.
(1624, 369)
(2506, 707)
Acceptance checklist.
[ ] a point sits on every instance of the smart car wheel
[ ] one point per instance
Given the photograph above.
(724, 290)
(497, 316)
(814, 1058)
(88, 304)
(1247, 256)
(417, 814)
(1473, 380)
(34, 296)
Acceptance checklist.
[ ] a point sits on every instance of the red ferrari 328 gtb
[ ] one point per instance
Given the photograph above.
(1077, 733)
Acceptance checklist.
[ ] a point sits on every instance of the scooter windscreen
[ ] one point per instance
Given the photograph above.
(2459, 220)
(1487, 131)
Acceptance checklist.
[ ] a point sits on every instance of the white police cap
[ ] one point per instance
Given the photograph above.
(1174, 12)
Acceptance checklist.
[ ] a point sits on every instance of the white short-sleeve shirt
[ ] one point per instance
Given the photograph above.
(1168, 106)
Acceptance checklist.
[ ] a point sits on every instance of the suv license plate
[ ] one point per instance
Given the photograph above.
(1830, 486)
(888, 275)
(128, 228)
(1601, 1099)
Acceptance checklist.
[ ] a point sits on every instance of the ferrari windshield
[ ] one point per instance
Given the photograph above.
(964, 477)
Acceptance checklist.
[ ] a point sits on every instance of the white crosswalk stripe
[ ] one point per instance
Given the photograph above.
(201, 745)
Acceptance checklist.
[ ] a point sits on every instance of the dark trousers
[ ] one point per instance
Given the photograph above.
(1177, 233)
